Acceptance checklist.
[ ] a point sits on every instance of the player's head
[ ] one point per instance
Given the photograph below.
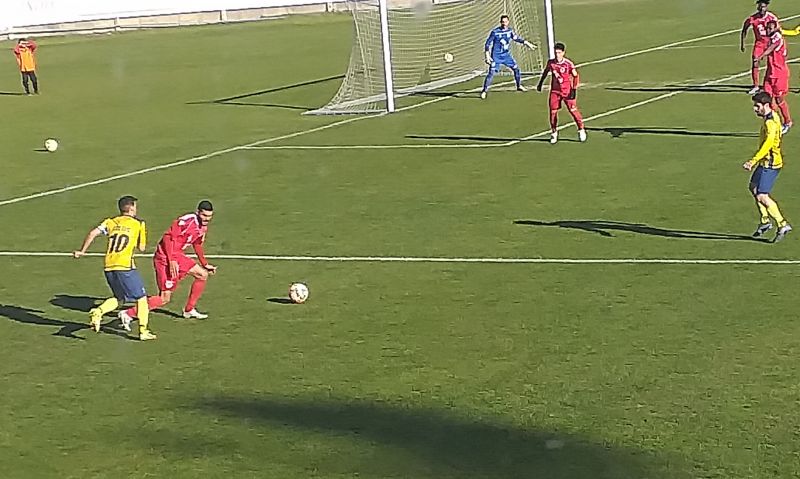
(761, 6)
(205, 211)
(762, 103)
(559, 48)
(127, 205)
(772, 27)
(504, 21)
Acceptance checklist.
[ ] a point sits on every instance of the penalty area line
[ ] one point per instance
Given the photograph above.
(463, 260)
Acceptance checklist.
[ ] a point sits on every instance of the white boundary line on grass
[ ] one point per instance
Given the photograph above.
(415, 259)
(231, 149)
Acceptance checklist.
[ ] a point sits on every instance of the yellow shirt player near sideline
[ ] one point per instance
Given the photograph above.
(768, 162)
(125, 233)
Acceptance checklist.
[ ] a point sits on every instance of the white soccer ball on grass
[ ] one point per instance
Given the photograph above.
(50, 145)
(298, 293)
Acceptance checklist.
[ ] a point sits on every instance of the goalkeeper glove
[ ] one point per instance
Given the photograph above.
(529, 45)
(488, 58)
(572, 94)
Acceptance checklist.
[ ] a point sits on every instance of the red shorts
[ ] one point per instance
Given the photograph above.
(759, 49)
(163, 279)
(559, 97)
(777, 86)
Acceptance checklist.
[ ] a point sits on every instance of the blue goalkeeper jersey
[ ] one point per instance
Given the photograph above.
(499, 42)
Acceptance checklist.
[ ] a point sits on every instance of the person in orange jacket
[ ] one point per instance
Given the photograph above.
(26, 59)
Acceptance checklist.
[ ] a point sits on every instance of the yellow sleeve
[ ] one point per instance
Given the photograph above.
(770, 140)
(142, 236)
(791, 33)
(106, 226)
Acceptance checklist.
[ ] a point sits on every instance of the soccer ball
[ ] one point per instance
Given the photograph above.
(298, 293)
(50, 144)
(448, 57)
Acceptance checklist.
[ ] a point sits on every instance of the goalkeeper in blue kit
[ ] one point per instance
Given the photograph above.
(498, 53)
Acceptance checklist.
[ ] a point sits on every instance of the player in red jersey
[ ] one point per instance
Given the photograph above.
(172, 264)
(776, 79)
(759, 22)
(563, 88)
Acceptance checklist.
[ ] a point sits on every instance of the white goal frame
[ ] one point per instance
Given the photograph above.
(390, 93)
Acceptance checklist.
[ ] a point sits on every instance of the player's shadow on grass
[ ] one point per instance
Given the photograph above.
(620, 131)
(717, 88)
(10, 93)
(434, 442)
(83, 304)
(245, 99)
(605, 228)
(66, 329)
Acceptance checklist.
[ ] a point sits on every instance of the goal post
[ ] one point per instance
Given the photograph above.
(406, 47)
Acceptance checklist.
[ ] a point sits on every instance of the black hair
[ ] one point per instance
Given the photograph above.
(560, 46)
(762, 98)
(126, 202)
(504, 16)
(205, 205)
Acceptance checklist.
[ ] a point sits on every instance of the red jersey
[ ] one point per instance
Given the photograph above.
(564, 75)
(185, 231)
(776, 61)
(759, 25)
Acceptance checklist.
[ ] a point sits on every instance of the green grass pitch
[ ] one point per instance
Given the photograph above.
(403, 370)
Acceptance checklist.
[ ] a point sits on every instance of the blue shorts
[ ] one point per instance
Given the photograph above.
(126, 285)
(497, 63)
(763, 179)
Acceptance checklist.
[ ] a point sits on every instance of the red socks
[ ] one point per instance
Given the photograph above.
(153, 302)
(197, 290)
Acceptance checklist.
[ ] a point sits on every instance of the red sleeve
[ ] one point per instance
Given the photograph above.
(201, 256)
(16, 50)
(32, 45)
(168, 244)
(576, 78)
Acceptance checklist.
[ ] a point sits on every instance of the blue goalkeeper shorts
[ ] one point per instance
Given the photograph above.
(498, 62)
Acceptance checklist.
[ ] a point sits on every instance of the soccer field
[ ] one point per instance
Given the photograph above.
(483, 304)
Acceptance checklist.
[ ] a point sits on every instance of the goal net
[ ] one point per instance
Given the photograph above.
(420, 34)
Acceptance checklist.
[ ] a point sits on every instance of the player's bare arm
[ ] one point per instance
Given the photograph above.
(94, 233)
(743, 35)
(771, 48)
(542, 79)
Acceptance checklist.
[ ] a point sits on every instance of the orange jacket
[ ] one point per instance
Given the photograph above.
(24, 51)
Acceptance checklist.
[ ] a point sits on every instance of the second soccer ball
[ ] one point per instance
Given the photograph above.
(448, 57)
(50, 145)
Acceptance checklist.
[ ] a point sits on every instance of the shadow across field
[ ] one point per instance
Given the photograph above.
(606, 228)
(480, 138)
(716, 88)
(436, 443)
(619, 131)
(247, 99)
(66, 329)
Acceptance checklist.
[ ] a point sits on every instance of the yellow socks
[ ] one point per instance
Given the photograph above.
(144, 313)
(108, 305)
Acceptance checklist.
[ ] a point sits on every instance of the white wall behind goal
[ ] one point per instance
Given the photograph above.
(24, 13)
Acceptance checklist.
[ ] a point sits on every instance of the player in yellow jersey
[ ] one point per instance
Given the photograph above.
(768, 162)
(125, 233)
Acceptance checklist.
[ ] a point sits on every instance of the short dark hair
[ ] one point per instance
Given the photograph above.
(126, 202)
(504, 16)
(205, 205)
(762, 98)
(560, 46)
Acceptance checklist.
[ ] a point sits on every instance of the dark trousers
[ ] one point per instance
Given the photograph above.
(32, 77)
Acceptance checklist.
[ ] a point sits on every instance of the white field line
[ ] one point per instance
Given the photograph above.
(670, 45)
(416, 259)
(224, 151)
